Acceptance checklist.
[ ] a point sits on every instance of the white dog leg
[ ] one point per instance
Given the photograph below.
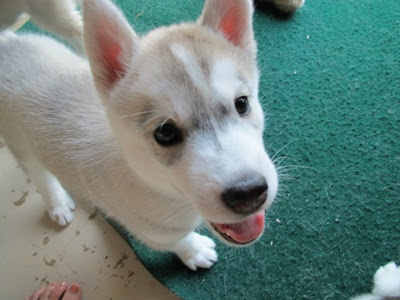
(59, 204)
(196, 250)
(59, 17)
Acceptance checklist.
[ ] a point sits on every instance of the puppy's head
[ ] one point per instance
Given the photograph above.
(183, 104)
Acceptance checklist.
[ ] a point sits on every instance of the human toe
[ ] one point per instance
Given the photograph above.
(73, 293)
(58, 291)
(36, 295)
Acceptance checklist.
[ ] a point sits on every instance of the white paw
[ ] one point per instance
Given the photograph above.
(289, 6)
(61, 215)
(62, 208)
(387, 281)
(366, 297)
(197, 251)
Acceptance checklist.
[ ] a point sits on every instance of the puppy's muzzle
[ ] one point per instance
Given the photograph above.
(247, 195)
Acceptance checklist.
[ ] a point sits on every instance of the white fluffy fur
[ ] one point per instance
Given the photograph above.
(223, 81)
(191, 66)
(86, 130)
(386, 284)
(287, 6)
(59, 17)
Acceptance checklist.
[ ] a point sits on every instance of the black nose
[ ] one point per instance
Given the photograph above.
(247, 195)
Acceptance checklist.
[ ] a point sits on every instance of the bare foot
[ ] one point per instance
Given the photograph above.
(57, 291)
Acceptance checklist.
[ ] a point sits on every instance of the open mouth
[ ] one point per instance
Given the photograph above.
(244, 232)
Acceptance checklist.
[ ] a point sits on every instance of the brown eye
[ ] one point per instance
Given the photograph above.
(167, 135)
(242, 105)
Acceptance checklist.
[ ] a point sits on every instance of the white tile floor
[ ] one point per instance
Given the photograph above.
(34, 251)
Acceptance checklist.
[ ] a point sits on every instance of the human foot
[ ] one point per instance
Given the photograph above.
(57, 291)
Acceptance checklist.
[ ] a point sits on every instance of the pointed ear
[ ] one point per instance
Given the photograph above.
(233, 18)
(110, 43)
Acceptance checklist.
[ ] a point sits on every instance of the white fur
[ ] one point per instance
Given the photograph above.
(243, 149)
(287, 6)
(224, 81)
(86, 130)
(190, 64)
(386, 284)
(59, 17)
(196, 250)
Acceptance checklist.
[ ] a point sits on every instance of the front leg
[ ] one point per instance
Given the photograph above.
(196, 251)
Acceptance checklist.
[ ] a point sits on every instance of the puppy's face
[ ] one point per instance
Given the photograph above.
(191, 125)
(183, 104)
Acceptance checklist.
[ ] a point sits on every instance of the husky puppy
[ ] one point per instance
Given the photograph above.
(57, 16)
(161, 132)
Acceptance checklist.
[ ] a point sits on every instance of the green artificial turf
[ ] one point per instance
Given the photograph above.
(330, 87)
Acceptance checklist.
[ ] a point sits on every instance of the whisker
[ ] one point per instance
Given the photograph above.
(179, 213)
(154, 118)
(280, 150)
(146, 112)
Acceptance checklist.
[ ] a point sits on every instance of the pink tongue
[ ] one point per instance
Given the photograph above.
(245, 231)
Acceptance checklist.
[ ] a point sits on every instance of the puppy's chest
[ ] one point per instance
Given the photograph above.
(118, 193)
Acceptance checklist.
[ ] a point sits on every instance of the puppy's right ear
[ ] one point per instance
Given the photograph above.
(232, 18)
(110, 43)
